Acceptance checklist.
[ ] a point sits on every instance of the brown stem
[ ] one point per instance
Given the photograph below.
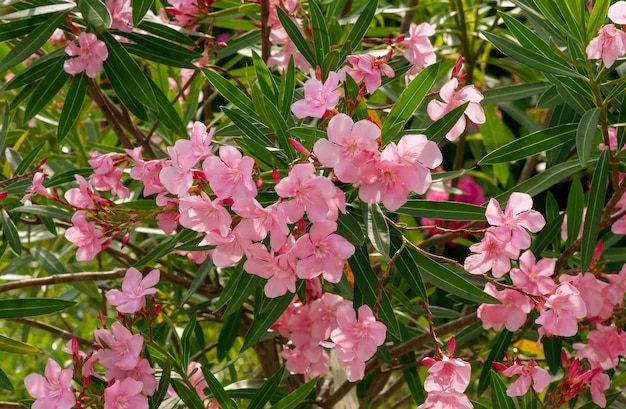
(64, 278)
(265, 30)
(61, 333)
(408, 16)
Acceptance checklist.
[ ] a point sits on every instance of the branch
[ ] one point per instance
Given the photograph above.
(65, 278)
(61, 333)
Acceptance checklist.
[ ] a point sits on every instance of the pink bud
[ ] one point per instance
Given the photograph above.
(428, 361)
(103, 321)
(275, 175)
(222, 44)
(400, 38)
(499, 366)
(299, 147)
(3, 194)
(451, 346)
(458, 65)
(318, 73)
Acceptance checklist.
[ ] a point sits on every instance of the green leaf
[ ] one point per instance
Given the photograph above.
(321, 39)
(133, 79)
(496, 134)
(407, 102)
(164, 382)
(54, 80)
(16, 347)
(48, 260)
(262, 322)
(571, 93)
(497, 347)
(5, 382)
(448, 280)
(164, 248)
(35, 11)
(281, 130)
(585, 134)
(609, 400)
(217, 390)
(185, 341)
(198, 280)
(377, 229)
(349, 228)
(359, 28)
(35, 71)
(248, 127)
(154, 54)
(442, 210)
(509, 93)
(30, 307)
(331, 62)
(499, 398)
(167, 32)
(598, 15)
(46, 211)
(294, 35)
(28, 159)
(166, 113)
(531, 144)
(95, 12)
(228, 334)
(287, 85)
(191, 398)
(574, 210)
(595, 208)
(166, 48)
(405, 265)
(231, 93)
(264, 79)
(438, 130)
(549, 234)
(530, 401)
(265, 393)
(140, 8)
(530, 58)
(38, 37)
(10, 233)
(72, 105)
(552, 347)
(295, 398)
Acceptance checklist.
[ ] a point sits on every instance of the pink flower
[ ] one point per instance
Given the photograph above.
(311, 361)
(90, 54)
(142, 372)
(281, 59)
(348, 146)
(201, 214)
(53, 391)
(453, 98)
(418, 50)
(366, 68)
(531, 373)
(494, 253)
(517, 216)
(448, 374)
(36, 187)
(134, 290)
(175, 177)
(599, 383)
(534, 278)
(189, 152)
(446, 400)
(279, 270)
(146, 172)
(107, 176)
(593, 292)
(617, 12)
(120, 347)
(511, 313)
(125, 394)
(82, 196)
(605, 345)
(610, 44)
(318, 97)
(566, 307)
(85, 236)
(322, 252)
(258, 221)
(121, 14)
(230, 174)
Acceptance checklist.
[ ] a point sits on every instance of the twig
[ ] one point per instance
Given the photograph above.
(63, 278)
(61, 333)
(265, 30)
(408, 16)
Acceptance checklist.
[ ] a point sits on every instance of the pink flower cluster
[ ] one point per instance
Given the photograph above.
(89, 55)
(419, 51)
(309, 326)
(610, 44)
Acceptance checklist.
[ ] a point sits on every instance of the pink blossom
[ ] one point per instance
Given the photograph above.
(53, 391)
(357, 341)
(323, 314)
(85, 236)
(175, 177)
(146, 172)
(599, 383)
(120, 347)
(134, 290)
(531, 373)
(448, 374)
(230, 174)
(322, 252)
(449, 399)
(348, 146)
(566, 306)
(90, 53)
(190, 152)
(279, 270)
(418, 50)
(36, 187)
(281, 59)
(605, 344)
(610, 44)
(367, 68)
(125, 394)
(121, 14)
(258, 221)
(617, 12)
(517, 216)
(318, 97)
(310, 361)
(617, 286)
(228, 250)
(185, 11)
(534, 277)
(82, 196)
(107, 176)
(142, 372)
(201, 214)
(494, 253)
(593, 292)
(511, 313)
(454, 98)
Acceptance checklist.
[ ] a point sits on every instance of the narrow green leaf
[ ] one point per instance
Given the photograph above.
(442, 210)
(330, 62)
(35, 71)
(231, 93)
(5, 382)
(185, 341)
(48, 260)
(191, 398)
(294, 35)
(54, 80)
(574, 210)
(438, 130)
(121, 65)
(198, 279)
(38, 37)
(499, 398)
(154, 54)
(20, 28)
(552, 347)
(349, 228)
(10, 233)
(359, 28)
(595, 208)
(262, 322)
(231, 286)
(549, 234)
(295, 398)
(30, 307)
(509, 93)
(531, 144)
(497, 347)
(445, 278)
(164, 382)
(72, 105)
(140, 8)
(46, 211)
(246, 124)
(166, 113)
(496, 134)
(164, 248)
(28, 160)
(408, 101)
(95, 12)
(16, 347)
(5, 128)
(36, 11)
(405, 265)
(321, 40)
(281, 130)
(530, 401)
(598, 15)
(377, 229)
(585, 134)
(265, 393)
(217, 390)
(228, 334)
(264, 79)
(287, 85)
(168, 32)
(164, 47)
(571, 93)
(239, 43)
(610, 398)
